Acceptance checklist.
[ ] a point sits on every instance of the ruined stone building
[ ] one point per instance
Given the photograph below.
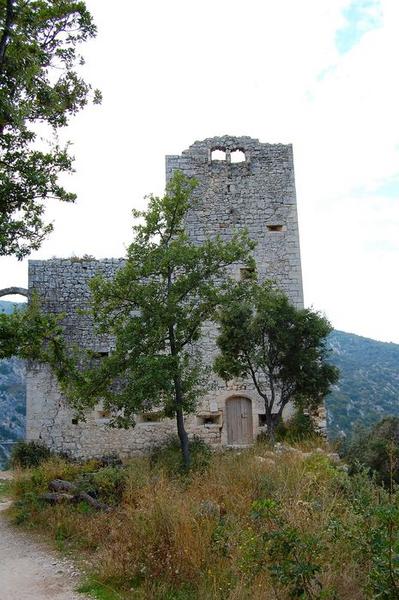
(242, 184)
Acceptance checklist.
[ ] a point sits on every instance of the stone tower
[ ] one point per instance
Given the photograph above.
(242, 183)
(256, 193)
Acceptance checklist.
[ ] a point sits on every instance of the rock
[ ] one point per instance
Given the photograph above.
(265, 461)
(334, 457)
(209, 508)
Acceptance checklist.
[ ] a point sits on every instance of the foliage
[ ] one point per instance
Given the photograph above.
(167, 456)
(40, 89)
(280, 531)
(298, 427)
(28, 454)
(376, 448)
(155, 308)
(368, 387)
(282, 349)
(107, 484)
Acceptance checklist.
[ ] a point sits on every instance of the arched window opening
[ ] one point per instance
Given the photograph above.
(237, 156)
(218, 154)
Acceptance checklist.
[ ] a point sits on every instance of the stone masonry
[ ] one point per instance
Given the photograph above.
(241, 184)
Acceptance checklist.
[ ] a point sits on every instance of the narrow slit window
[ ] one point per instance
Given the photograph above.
(275, 227)
(218, 154)
(237, 156)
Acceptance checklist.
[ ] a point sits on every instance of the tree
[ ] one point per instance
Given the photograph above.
(154, 308)
(377, 448)
(40, 88)
(280, 348)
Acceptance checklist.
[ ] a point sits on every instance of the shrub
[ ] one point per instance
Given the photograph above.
(297, 428)
(167, 456)
(108, 484)
(29, 454)
(376, 448)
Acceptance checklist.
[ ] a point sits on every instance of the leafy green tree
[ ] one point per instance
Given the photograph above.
(282, 349)
(40, 88)
(33, 335)
(154, 308)
(376, 448)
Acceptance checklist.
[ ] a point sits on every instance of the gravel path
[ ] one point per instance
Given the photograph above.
(29, 570)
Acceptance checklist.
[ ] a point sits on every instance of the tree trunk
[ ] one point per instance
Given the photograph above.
(183, 437)
(270, 424)
(6, 32)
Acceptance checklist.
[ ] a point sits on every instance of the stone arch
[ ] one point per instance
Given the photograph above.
(11, 291)
(239, 420)
(218, 153)
(237, 155)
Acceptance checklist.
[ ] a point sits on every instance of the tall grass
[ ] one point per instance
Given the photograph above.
(246, 525)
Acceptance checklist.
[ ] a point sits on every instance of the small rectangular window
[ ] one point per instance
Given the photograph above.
(262, 420)
(210, 419)
(275, 227)
(150, 417)
(246, 273)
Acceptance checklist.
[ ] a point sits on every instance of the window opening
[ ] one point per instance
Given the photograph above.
(262, 420)
(237, 156)
(275, 227)
(210, 419)
(246, 273)
(218, 154)
(150, 417)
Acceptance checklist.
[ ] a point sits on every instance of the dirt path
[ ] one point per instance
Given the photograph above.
(29, 570)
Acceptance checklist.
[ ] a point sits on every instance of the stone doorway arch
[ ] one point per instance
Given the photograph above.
(239, 421)
(11, 291)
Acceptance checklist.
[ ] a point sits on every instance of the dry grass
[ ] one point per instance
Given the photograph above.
(210, 535)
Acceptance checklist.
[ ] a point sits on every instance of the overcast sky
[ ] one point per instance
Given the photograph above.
(320, 74)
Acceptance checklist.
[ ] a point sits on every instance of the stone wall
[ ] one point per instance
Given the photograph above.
(257, 194)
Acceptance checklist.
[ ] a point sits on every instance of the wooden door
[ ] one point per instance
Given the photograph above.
(239, 421)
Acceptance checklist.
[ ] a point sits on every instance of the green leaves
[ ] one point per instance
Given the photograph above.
(154, 309)
(282, 349)
(39, 85)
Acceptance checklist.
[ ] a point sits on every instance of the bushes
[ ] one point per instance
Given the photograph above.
(377, 449)
(29, 454)
(237, 528)
(167, 456)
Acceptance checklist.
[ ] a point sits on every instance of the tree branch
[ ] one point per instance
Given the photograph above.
(6, 32)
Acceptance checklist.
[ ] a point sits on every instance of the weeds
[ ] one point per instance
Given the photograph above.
(244, 526)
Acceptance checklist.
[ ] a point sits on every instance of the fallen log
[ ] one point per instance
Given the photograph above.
(54, 498)
(92, 501)
(60, 486)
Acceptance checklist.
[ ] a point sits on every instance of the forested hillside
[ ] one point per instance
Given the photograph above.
(12, 398)
(368, 388)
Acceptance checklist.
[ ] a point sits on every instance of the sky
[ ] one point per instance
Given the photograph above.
(320, 74)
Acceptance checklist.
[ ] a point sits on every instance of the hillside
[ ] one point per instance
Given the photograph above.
(12, 398)
(369, 384)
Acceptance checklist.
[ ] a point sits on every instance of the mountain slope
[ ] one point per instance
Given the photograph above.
(368, 388)
(12, 398)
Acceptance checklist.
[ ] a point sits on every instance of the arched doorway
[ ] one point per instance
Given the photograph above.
(239, 421)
